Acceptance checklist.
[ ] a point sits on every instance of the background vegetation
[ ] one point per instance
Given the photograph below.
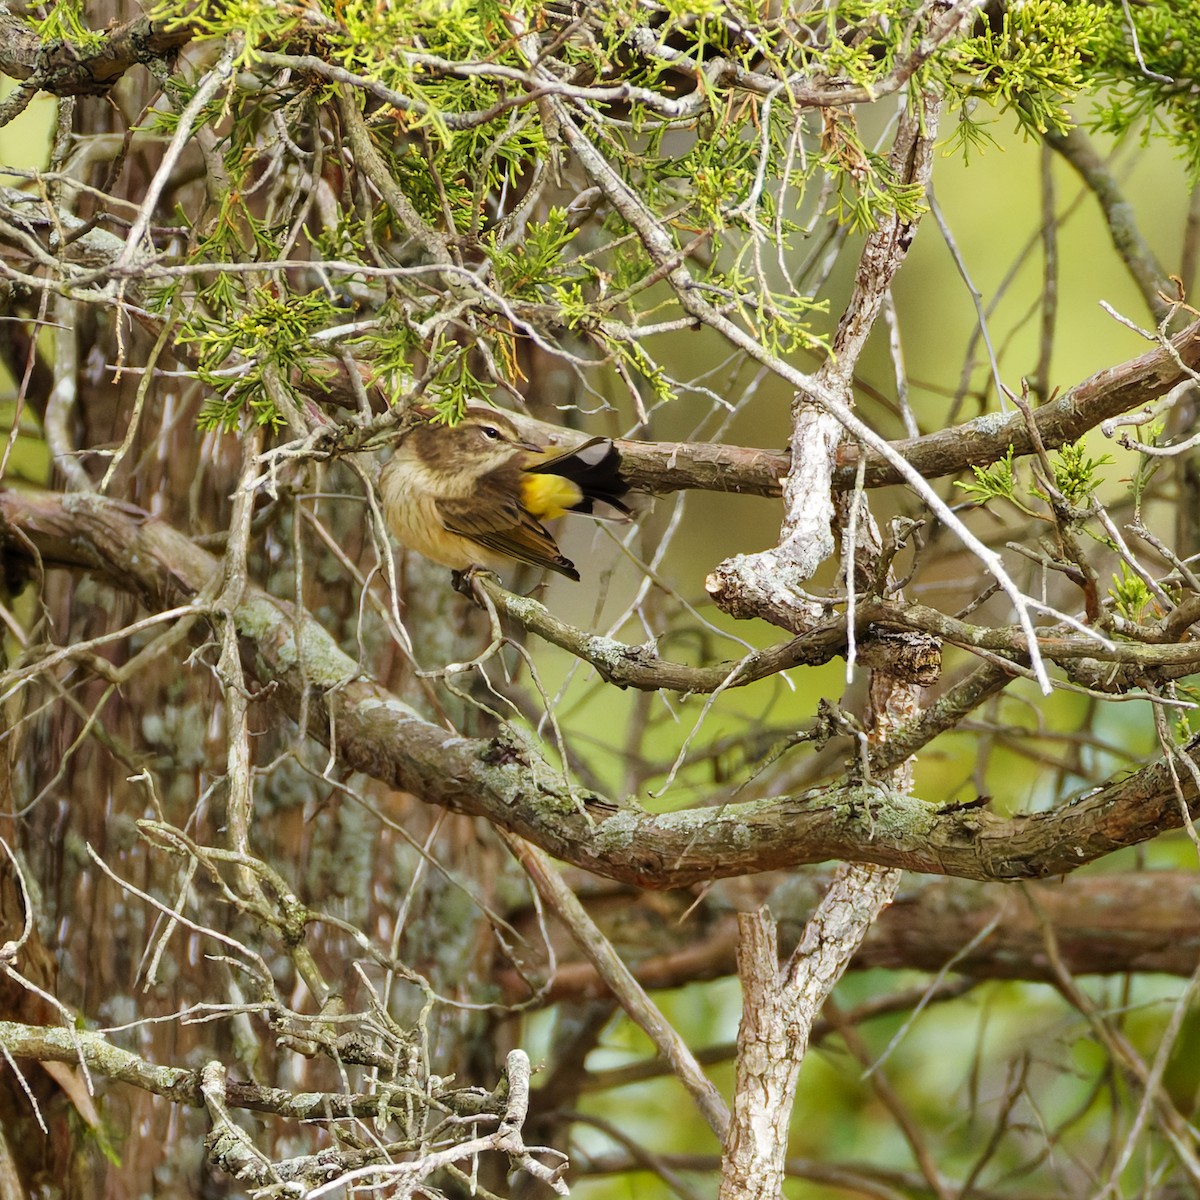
(279, 814)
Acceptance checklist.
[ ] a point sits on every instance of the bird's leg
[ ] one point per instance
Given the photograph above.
(467, 583)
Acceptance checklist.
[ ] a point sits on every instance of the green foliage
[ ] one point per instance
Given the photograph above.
(1185, 724)
(463, 143)
(1148, 465)
(629, 264)
(269, 334)
(391, 43)
(457, 387)
(1045, 53)
(259, 22)
(866, 185)
(970, 135)
(1130, 594)
(1036, 60)
(1076, 477)
(535, 266)
(459, 146)
(1160, 96)
(876, 193)
(65, 22)
(997, 482)
(718, 172)
(779, 320)
(1076, 474)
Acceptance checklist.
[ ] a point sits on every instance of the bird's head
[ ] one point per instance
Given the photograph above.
(483, 440)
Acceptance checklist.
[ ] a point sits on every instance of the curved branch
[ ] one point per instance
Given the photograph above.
(504, 780)
(65, 70)
(641, 667)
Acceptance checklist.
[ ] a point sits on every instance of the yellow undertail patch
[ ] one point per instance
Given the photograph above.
(549, 496)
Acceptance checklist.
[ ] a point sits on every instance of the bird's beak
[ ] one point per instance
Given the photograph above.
(531, 446)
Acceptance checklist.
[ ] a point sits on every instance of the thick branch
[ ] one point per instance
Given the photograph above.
(504, 779)
(66, 70)
(1103, 924)
(1107, 393)
(779, 1007)
(663, 467)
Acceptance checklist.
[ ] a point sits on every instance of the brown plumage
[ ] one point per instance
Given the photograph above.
(476, 493)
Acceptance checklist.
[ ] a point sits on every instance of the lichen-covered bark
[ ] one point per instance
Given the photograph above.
(504, 779)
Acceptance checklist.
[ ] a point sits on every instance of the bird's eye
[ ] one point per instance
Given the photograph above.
(490, 432)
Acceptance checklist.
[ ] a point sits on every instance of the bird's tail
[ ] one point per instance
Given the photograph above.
(595, 469)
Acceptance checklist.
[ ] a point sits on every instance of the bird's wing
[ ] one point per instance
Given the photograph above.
(498, 523)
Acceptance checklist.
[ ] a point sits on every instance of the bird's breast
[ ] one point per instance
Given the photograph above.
(410, 493)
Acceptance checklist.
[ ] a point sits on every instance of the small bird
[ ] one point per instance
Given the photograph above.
(476, 493)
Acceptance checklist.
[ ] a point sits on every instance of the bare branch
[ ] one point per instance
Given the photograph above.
(65, 70)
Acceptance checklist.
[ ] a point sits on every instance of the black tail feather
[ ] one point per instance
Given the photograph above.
(595, 467)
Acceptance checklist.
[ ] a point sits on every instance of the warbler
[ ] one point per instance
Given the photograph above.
(476, 493)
